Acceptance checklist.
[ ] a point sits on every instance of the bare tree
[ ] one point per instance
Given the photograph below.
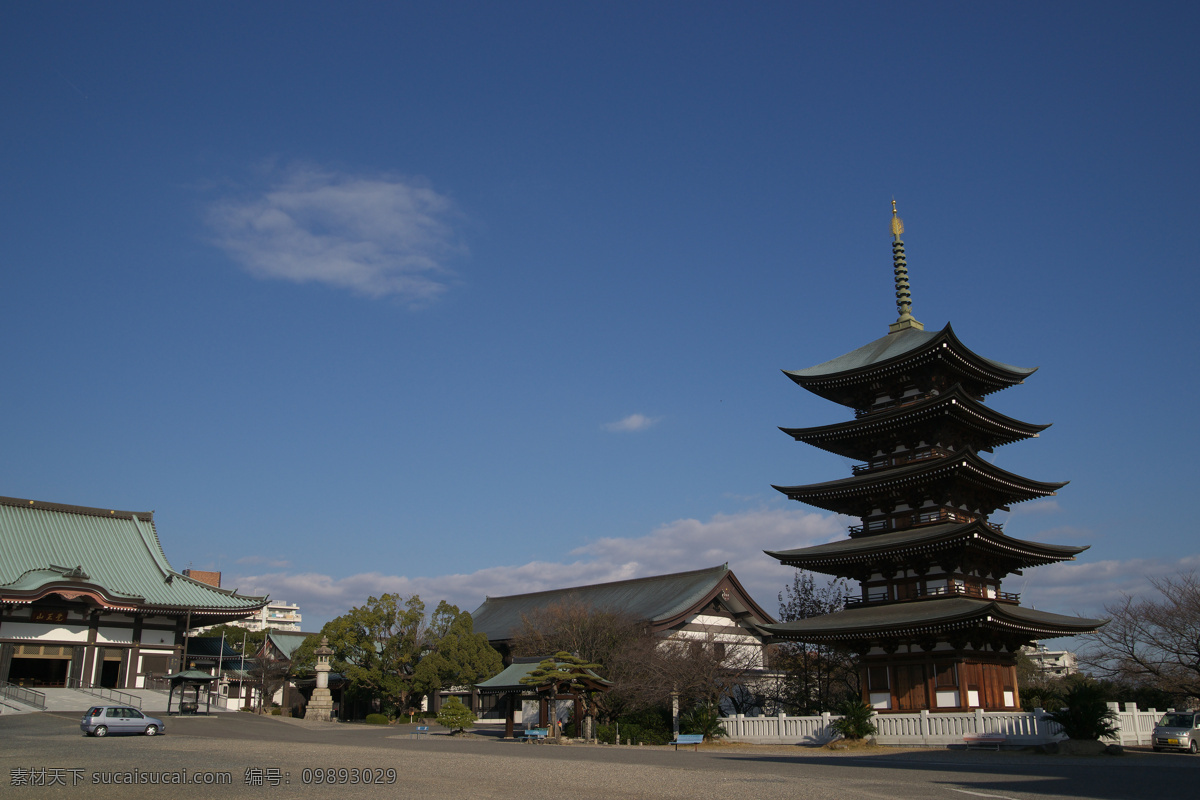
(648, 670)
(572, 626)
(1152, 641)
(812, 678)
(269, 675)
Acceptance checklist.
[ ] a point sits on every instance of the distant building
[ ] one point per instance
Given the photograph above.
(1052, 662)
(272, 616)
(704, 608)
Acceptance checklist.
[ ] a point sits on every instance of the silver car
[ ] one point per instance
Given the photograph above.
(103, 720)
(1178, 730)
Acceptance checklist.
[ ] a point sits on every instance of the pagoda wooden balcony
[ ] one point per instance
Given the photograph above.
(877, 596)
(903, 523)
(919, 455)
(859, 413)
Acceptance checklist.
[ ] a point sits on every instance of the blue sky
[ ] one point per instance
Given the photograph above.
(482, 298)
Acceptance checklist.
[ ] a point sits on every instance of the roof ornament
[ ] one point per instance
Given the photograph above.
(900, 268)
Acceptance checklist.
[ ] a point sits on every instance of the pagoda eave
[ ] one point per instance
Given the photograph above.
(905, 352)
(847, 557)
(931, 617)
(849, 495)
(854, 439)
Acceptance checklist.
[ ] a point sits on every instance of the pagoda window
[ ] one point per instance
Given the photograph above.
(946, 684)
(878, 688)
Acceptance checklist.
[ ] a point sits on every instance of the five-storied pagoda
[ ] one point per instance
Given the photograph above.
(932, 625)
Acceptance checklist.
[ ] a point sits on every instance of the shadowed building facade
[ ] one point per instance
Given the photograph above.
(932, 624)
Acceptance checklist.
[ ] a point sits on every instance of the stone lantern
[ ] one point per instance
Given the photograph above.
(320, 707)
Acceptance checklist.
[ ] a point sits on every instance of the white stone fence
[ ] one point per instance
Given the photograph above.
(1020, 728)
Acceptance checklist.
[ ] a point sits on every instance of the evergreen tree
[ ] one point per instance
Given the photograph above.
(459, 656)
(455, 716)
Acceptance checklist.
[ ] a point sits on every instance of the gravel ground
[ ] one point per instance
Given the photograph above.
(265, 756)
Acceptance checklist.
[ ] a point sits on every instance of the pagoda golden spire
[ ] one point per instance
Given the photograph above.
(900, 268)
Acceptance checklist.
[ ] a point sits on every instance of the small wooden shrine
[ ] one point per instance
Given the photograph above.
(932, 624)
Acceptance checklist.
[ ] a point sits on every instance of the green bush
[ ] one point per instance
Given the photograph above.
(376, 719)
(650, 727)
(455, 716)
(856, 720)
(276, 711)
(1086, 714)
(704, 719)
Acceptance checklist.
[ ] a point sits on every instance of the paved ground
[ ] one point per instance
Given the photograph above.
(264, 756)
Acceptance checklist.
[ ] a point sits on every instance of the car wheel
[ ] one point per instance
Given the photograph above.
(101, 731)
(1195, 748)
(151, 730)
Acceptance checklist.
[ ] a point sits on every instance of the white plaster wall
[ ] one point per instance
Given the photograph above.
(114, 635)
(46, 630)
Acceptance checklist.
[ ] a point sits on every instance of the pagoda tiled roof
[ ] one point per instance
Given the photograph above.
(662, 600)
(900, 352)
(835, 557)
(934, 616)
(966, 467)
(858, 438)
(113, 558)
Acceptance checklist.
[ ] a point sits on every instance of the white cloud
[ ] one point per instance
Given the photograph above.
(1075, 588)
(685, 544)
(374, 235)
(1084, 588)
(634, 422)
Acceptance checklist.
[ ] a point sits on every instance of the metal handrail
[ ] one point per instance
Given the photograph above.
(29, 697)
(107, 694)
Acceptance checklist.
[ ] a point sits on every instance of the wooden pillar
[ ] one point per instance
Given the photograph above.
(510, 713)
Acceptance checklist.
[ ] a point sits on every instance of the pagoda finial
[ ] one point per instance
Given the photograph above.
(900, 268)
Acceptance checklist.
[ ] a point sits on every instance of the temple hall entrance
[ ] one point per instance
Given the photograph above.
(40, 665)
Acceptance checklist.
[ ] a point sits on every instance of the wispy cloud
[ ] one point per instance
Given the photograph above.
(634, 422)
(376, 235)
(1081, 588)
(736, 539)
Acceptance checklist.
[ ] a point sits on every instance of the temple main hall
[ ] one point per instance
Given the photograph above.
(932, 624)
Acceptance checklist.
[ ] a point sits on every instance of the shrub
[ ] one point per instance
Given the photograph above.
(1086, 714)
(705, 719)
(455, 715)
(652, 726)
(856, 720)
(376, 719)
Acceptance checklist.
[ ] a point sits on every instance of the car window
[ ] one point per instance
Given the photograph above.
(95, 712)
(113, 712)
(133, 712)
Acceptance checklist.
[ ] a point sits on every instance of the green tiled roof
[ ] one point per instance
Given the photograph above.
(112, 555)
(657, 599)
(287, 642)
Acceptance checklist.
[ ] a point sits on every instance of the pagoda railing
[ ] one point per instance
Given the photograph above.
(897, 461)
(859, 413)
(917, 592)
(917, 520)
